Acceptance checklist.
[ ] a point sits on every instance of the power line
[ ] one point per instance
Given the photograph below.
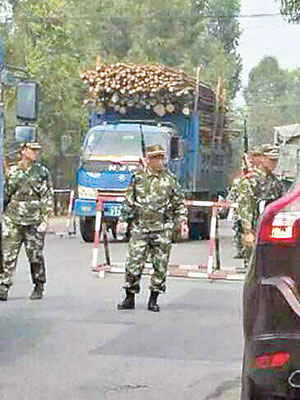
(106, 16)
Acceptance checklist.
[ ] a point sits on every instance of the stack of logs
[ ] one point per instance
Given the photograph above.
(158, 88)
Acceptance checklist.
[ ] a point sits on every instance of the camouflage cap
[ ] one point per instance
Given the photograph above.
(31, 145)
(155, 150)
(256, 151)
(270, 151)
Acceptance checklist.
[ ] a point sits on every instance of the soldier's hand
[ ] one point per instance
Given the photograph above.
(184, 230)
(248, 238)
(121, 229)
(42, 228)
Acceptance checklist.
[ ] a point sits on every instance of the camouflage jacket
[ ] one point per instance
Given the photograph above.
(154, 201)
(233, 193)
(235, 190)
(260, 186)
(29, 194)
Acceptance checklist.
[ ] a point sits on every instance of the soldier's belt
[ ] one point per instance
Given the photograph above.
(27, 198)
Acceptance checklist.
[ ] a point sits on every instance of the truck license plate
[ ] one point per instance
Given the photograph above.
(112, 210)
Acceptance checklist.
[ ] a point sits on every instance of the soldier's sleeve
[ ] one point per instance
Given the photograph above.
(9, 186)
(179, 209)
(128, 210)
(281, 189)
(233, 191)
(7, 194)
(47, 201)
(246, 202)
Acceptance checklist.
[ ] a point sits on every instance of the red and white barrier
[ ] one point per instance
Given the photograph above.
(70, 208)
(97, 234)
(212, 241)
(99, 223)
(101, 268)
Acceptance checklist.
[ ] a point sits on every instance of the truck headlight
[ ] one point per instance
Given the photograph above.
(87, 193)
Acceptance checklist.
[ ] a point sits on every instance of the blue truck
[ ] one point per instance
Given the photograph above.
(113, 149)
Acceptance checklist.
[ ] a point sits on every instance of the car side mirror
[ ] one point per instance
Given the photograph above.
(261, 206)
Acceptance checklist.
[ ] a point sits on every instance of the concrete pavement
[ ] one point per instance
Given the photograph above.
(75, 344)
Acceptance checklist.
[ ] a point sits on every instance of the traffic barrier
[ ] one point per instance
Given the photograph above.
(213, 252)
(101, 227)
(212, 241)
(70, 216)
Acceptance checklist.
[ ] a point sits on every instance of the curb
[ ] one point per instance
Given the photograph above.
(60, 233)
(176, 271)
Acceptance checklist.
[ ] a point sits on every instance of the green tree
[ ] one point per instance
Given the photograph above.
(272, 98)
(40, 44)
(55, 39)
(179, 34)
(291, 9)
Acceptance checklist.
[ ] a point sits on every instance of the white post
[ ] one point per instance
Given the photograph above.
(97, 235)
(212, 241)
(70, 208)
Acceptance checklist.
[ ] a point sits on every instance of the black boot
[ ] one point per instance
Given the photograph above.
(128, 303)
(3, 292)
(152, 305)
(37, 293)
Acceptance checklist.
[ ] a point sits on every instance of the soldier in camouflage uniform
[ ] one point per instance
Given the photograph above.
(29, 204)
(250, 164)
(155, 205)
(263, 185)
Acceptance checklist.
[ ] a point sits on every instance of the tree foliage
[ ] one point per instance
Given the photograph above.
(272, 98)
(54, 39)
(291, 9)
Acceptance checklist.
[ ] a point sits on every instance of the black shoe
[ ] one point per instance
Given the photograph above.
(3, 292)
(152, 304)
(37, 293)
(238, 256)
(128, 303)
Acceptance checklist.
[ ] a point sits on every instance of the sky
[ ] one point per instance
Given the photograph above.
(267, 36)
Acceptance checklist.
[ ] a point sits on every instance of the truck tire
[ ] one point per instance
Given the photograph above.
(205, 227)
(200, 230)
(87, 228)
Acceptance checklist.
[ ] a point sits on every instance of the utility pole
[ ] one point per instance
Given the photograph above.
(1, 150)
(245, 137)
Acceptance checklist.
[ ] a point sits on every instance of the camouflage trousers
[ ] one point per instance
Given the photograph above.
(13, 237)
(153, 245)
(238, 237)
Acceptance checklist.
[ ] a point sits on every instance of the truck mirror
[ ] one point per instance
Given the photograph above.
(25, 133)
(27, 100)
(174, 147)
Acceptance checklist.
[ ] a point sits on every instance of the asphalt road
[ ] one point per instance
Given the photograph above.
(74, 344)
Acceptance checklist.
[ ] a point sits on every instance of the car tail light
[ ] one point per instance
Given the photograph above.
(271, 360)
(282, 228)
(279, 222)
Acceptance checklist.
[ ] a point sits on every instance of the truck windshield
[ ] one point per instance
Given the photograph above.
(120, 143)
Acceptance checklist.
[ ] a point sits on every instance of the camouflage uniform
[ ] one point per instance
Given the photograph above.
(233, 196)
(261, 186)
(29, 197)
(236, 226)
(155, 205)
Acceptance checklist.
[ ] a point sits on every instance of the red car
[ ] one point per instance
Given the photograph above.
(271, 314)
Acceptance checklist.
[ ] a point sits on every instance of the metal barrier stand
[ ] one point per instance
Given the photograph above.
(70, 209)
(213, 253)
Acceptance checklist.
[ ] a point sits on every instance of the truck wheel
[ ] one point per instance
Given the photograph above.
(87, 228)
(200, 229)
(205, 227)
